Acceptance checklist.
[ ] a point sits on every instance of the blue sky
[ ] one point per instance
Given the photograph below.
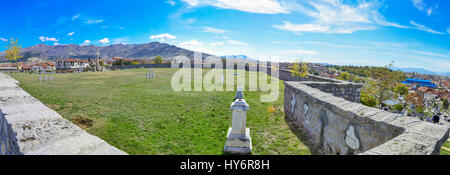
(412, 33)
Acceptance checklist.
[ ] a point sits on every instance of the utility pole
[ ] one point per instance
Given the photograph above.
(98, 61)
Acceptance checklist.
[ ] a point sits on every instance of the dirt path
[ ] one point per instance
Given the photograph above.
(445, 148)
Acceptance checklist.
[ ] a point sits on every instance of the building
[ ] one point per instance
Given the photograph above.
(43, 67)
(418, 82)
(8, 68)
(71, 64)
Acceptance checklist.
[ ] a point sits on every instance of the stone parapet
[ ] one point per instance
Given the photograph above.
(28, 127)
(347, 90)
(338, 126)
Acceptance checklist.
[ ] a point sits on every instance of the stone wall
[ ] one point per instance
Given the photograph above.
(338, 126)
(29, 127)
(285, 75)
(142, 65)
(347, 90)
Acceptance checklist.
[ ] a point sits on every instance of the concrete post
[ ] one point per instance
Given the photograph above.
(238, 137)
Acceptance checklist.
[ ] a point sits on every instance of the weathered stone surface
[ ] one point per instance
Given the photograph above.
(238, 143)
(29, 127)
(351, 139)
(351, 128)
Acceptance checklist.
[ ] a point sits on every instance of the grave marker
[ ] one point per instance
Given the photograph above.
(238, 137)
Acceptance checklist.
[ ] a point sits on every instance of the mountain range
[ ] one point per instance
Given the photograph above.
(134, 51)
(421, 71)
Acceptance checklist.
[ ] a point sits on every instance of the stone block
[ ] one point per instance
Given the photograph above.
(237, 143)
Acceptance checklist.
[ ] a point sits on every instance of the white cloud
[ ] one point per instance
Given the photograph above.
(56, 44)
(76, 16)
(303, 27)
(86, 42)
(120, 40)
(422, 6)
(448, 30)
(333, 16)
(3, 39)
(171, 2)
(71, 33)
(214, 30)
(430, 54)
(104, 41)
(254, 6)
(217, 44)
(234, 42)
(424, 28)
(191, 43)
(162, 37)
(303, 52)
(195, 45)
(94, 21)
(419, 4)
(429, 11)
(42, 38)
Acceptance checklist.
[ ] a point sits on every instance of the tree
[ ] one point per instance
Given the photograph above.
(368, 92)
(299, 69)
(158, 60)
(417, 101)
(135, 62)
(445, 104)
(386, 80)
(13, 51)
(344, 76)
(401, 89)
(398, 107)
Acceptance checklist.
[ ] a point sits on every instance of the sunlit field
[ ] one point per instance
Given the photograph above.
(142, 116)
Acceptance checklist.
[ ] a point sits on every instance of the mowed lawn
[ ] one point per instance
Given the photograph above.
(142, 116)
(447, 146)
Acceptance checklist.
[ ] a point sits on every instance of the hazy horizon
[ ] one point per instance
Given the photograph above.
(412, 33)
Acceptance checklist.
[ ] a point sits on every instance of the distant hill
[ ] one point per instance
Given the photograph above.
(134, 51)
(237, 57)
(421, 71)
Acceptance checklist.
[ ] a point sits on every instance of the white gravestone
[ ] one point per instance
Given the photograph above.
(238, 137)
(40, 78)
(51, 78)
(45, 78)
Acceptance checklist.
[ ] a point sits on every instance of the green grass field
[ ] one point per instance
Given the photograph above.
(443, 151)
(142, 116)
